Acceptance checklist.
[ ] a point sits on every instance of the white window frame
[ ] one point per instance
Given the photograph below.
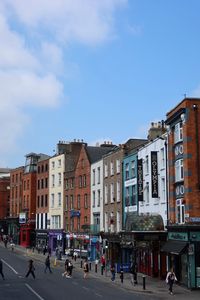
(179, 170)
(98, 175)
(59, 179)
(111, 168)
(118, 166)
(178, 132)
(52, 200)
(118, 191)
(106, 193)
(106, 169)
(127, 175)
(59, 199)
(162, 158)
(93, 177)
(133, 169)
(93, 199)
(112, 193)
(180, 211)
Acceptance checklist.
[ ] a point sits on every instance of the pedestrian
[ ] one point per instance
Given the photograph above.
(66, 272)
(112, 270)
(31, 269)
(47, 264)
(85, 269)
(1, 269)
(133, 273)
(103, 262)
(170, 279)
(70, 268)
(75, 255)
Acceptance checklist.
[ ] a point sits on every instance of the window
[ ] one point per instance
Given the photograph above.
(180, 211)
(53, 180)
(178, 132)
(59, 199)
(112, 199)
(146, 190)
(52, 200)
(162, 158)
(111, 168)
(99, 198)
(71, 202)
(84, 180)
(67, 184)
(85, 201)
(179, 172)
(106, 169)
(67, 202)
(127, 199)
(46, 200)
(28, 184)
(59, 179)
(163, 190)
(118, 166)
(38, 201)
(127, 171)
(72, 183)
(85, 220)
(72, 224)
(118, 191)
(55, 222)
(106, 194)
(42, 183)
(93, 176)
(42, 200)
(46, 183)
(59, 163)
(38, 184)
(118, 221)
(93, 199)
(134, 195)
(106, 222)
(133, 170)
(147, 164)
(53, 164)
(98, 175)
(78, 201)
(78, 224)
(80, 181)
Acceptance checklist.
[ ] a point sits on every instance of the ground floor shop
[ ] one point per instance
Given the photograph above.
(183, 253)
(42, 240)
(27, 235)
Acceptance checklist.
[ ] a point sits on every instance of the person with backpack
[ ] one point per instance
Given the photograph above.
(47, 264)
(170, 279)
(85, 269)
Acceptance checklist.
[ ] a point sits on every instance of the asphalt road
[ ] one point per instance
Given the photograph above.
(54, 286)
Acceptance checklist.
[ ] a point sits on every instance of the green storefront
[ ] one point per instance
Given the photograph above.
(183, 251)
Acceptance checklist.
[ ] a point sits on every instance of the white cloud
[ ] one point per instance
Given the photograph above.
(33, 37)
(88, 21)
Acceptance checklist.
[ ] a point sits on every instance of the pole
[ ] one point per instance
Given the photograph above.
(144, 282)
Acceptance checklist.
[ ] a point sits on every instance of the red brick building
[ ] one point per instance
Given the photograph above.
(4, 199)
(183, 245)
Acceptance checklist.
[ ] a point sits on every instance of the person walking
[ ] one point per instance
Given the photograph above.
(70, 268)
(1, 269)
(112, 270)
(85, 269)
(47, 264)
(133, 273)
(170, 279)
(31, 269)
(66, 272)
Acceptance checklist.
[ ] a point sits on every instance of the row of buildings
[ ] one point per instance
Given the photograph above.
(138, 202)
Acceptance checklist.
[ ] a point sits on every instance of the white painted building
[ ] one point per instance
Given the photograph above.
(153, 156)
(97, 194)
(56, 183)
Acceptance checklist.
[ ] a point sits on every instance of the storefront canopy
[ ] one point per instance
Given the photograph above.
(174, 247)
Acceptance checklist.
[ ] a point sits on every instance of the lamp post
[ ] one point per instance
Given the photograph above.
(106, 259)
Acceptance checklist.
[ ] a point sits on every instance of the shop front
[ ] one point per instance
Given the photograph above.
(41, 239)
(56, 240)
(27, 235)
(182, 249)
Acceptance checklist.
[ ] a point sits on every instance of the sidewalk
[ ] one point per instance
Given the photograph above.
(153, 286)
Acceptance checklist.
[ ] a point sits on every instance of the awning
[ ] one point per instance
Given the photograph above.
(174, 247)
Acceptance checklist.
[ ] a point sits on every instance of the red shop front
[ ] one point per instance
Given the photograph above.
(27, 235)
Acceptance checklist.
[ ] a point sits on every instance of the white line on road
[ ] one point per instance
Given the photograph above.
(34, 292)
(9, 266)
(98, 295)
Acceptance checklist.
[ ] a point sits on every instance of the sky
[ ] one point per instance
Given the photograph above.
(97, 70)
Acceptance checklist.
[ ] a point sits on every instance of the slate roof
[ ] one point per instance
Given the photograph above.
(96, 153)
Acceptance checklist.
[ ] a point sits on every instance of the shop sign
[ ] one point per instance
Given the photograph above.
(180, 236)
(154, 174)
(59, 237)
(22, 218)
(130, 208)
(75, 213)
(140, 179)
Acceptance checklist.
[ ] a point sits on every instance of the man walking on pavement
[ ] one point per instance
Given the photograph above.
(1, 269)
(47, 264)
(31, 269)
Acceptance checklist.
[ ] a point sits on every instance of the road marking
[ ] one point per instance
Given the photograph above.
(85, 288)
(10, 266)
(98, 295)
(34, 292)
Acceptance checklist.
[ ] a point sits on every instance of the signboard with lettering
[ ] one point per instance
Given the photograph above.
(140, 179)
(22, 218)
(154, 174)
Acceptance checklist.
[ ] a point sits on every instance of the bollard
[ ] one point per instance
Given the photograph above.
(81, 263)
(144, 282)
(101, 270)
(122, 275)
(95, 268)
(90, 266)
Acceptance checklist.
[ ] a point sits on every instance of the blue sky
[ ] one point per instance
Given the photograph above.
(92, 69)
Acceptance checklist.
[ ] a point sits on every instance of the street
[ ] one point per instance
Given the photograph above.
(53, 286)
